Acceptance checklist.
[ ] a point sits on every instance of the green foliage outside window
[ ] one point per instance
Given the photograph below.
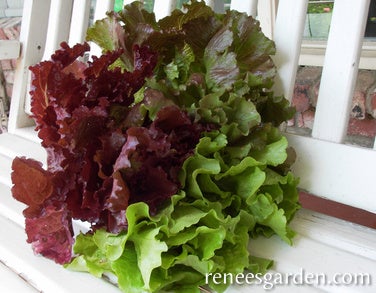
(316, 7)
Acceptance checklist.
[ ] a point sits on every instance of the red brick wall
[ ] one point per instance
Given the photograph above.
(362, 123)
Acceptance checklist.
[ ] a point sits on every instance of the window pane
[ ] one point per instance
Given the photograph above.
(371, 21)
(319, 16)
(318, 19)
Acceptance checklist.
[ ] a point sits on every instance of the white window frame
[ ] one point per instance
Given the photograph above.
(313, 54)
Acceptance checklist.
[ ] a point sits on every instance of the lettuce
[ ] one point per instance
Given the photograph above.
(167, 144)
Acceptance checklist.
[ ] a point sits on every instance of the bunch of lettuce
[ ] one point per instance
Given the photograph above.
(167, 144)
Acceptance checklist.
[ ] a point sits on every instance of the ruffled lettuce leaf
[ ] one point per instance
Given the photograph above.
(207, 228)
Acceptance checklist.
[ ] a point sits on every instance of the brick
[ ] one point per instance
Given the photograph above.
(12, 21)
(300, 98)
(304, 92)
(2, 87)
(3, 36)
(365, 80)
(358, 107)
(9, 76)
(365, 127)
(315, 93)
(11, 33)
(308, 80)
(291, 122)
(308, 75)
(9, 90)
(14, 62)
(371, 104)
(6, 65)
(308, 118)
(299, 120)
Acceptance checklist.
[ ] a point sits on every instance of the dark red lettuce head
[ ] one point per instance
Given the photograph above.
(71, 105)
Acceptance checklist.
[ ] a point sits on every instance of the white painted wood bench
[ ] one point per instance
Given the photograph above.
(325, 164)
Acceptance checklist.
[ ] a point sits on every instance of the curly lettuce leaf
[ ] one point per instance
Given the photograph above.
(206, 228)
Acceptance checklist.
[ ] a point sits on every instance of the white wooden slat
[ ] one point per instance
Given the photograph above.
(3, 5)
(28, 133)
(163, 8)
(58, 31)
(340, 69)
(58, 26)
(15, 3)
(325, 168)
(101, 8)
(9, 49)
(351, 238)
(13, 12)
(288, 37)
(6, 170)
(323, 245)
(14, 145)
(266, 14)
(11, 146)
(125, 2)
(79, 22)
(27, 98)
(12, 282)
(9, 207)
(249, 7)
(32, 36)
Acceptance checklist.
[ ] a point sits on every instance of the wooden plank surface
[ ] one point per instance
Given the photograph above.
(343, 173)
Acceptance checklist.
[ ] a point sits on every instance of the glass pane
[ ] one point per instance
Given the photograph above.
(319, 15)
(371, 21)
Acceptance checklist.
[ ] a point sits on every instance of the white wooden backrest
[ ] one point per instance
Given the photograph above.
(327, 166)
